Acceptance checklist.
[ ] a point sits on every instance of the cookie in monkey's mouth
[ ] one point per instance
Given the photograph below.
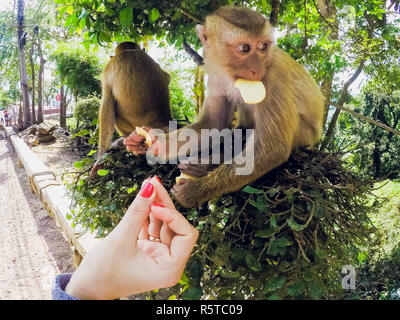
(252, 92)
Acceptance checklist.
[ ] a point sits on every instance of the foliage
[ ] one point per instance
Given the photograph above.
(8, 50)
(181, 106)
(372, 150)
(286, 236)
(86, 110)
(120, 20)
(379, 268)
(78, 69)
(5, 100)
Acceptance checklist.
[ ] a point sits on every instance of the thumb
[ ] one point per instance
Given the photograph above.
(139, 210)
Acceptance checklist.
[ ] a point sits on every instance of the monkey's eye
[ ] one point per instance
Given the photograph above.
(244, 48)
(263, 46)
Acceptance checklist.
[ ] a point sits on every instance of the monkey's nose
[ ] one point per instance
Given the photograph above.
(254, 75)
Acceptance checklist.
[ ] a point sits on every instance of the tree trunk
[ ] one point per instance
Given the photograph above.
(42, 61)
(33, 82)
(20, 113)
(27, 121)
(273, 17)
(328, 11)
(63, 108)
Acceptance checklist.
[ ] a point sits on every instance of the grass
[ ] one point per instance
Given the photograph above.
(387, 219)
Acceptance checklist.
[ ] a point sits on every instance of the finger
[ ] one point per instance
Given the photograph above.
(143, 234)
(166, 234)
(138, 211)
(154, 226)
(162, 196)
(185, 234)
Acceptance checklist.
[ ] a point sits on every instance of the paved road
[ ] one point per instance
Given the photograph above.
(32, 247)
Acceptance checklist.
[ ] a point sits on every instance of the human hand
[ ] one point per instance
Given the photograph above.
(127, 261)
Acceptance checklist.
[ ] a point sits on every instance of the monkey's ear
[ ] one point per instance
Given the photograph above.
(201, 33)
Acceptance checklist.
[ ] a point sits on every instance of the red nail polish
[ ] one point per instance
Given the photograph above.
(158, 179)
(158, 205)
(147, 190)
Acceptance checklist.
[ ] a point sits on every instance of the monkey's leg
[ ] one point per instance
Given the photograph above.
(107, 126)
(225, 178)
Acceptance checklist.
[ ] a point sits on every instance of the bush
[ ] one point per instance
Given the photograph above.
(86, 110)
(286, 236)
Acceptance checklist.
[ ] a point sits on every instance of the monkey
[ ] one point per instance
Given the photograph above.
(134, 93)
(238, 43)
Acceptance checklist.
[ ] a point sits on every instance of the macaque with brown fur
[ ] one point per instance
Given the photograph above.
(134, 93)
(238, 43)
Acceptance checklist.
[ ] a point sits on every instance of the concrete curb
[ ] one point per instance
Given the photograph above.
(53, 196)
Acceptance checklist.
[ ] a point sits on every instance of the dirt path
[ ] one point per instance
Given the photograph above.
(32, 247)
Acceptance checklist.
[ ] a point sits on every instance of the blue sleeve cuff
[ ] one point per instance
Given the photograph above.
(58, 287)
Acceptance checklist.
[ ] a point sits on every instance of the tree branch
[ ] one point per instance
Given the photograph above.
(369, 120)
(195, 56)
(273, 17)
(189, 15)
(342, 100)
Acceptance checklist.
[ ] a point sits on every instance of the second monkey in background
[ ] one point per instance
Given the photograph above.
(135, 93)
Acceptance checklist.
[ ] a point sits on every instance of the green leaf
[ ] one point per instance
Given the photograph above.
(102, 172)
(274, 284)
(78, 164)
(251, 190)
(193, 293)
(92, 152)
(272, 192)
(296, 289)
(294, 225)
(130, 190)
(154, 15)
(126, 16)
(266, 233)
(229, 274)
(84, 132)
(253, 263)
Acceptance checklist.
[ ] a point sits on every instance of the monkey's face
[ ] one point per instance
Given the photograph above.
(246, 57)
(235, 53)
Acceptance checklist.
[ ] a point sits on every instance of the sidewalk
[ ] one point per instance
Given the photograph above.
(33, 248)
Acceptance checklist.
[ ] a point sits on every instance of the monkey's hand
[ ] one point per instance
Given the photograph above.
(195, 170)
(186, 192)
(136, 143)
(96, 167)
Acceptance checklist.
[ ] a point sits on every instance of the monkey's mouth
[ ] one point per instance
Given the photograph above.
(252, 92)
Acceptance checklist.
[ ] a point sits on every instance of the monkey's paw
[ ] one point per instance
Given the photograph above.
(188, 192)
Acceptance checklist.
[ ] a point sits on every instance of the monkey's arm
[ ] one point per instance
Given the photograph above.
(215, 114)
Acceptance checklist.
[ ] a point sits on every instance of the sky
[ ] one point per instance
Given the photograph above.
(6, 4)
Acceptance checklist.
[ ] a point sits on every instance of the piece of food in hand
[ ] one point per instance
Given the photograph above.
(183, 176)
(252, 91)
(141, 132)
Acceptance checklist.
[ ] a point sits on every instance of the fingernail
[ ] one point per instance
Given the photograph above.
(158, 179)
(158, 205)
(147, 190)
